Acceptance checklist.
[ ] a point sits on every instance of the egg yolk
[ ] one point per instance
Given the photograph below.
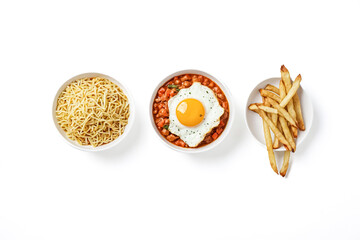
(190, 112)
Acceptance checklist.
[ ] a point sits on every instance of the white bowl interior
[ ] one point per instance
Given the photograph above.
(254, 121)
(102, 147)
(227, 128)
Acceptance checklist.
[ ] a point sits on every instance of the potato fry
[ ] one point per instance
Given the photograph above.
(267, 109)
(253, 107)
(273, 128)
(299, 116)
(291, 92)
(282, 120)
(285, 79)
(282, 90)
(272, 88)
(273, 116)
(285, 164)
(274, 119)
(266, 93)
(283, 112)
(269, 147)
(287, 133)
(277, 143)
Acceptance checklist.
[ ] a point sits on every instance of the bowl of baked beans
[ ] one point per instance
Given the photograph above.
(191, 111)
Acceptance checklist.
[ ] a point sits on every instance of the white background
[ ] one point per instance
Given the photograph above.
(143, 189)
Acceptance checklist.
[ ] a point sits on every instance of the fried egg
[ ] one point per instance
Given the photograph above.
(193, 113)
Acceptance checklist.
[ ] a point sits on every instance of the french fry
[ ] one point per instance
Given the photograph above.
(274, 118)
(282, 90)
(272, 88)
(273, 128)
(283, 112)
(267, 109)
(287, 133)
(285, 164)
(277, 143)
(299, 116)
(269, 147)
(285, 79)
(266, 93)
(291, 92)
(253, 107)
(283, 122)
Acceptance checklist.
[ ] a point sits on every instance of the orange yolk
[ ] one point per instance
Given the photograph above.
(190, 112)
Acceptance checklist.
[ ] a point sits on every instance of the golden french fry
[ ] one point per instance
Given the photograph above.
(277, 143)
(274, 118)
(267, 109)
(291, 92)
(283, 112)
(287, 133)
(294, 131)
(299, 116)
(269, 147)
(273, 128)
(253, 107)
(285, 164)
(272, 88)
(266, 93)
(268, 141)
(282, 120)
(282, 90)
(286, 81)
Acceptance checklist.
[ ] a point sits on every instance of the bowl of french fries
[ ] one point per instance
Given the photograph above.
(279, 115)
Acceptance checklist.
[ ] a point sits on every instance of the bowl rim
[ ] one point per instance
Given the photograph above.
(229, 124)
(308, 124)
(89, 148)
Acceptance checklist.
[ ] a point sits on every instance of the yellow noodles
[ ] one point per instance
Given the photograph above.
(92, 111)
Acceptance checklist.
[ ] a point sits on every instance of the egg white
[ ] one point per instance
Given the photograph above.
(192, 136)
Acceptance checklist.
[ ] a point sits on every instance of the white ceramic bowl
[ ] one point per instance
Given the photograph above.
(228, 125)
(105, 146)
(254, 122)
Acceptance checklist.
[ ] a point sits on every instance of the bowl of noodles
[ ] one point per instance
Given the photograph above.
(93, 111)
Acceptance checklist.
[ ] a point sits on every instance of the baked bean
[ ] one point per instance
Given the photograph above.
(165, 132)
(206, 82)
(208, 139)
(211, 85)
(180, 143)
(167, 121)
(163, 113)
(160, 123)
(161, 91)
(224, 105)
(173, 93)
(155, 111)
(215, 136)
(158, 99)
(172, 137)
(216, 89)
(187, 84)
(156, 105)
(221, 96)
(185, 77)
(177, 81)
